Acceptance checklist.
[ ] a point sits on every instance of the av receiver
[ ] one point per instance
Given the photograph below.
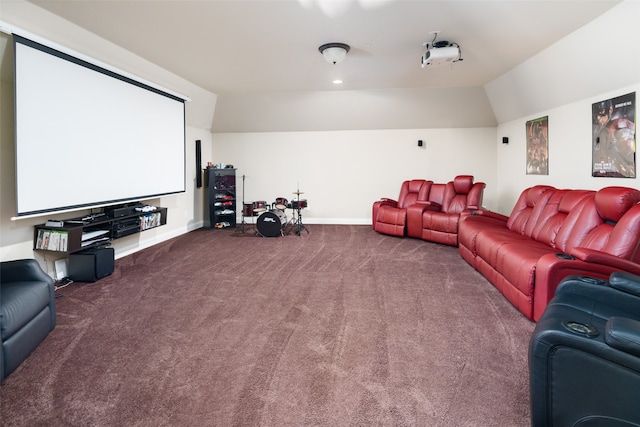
(125, 227)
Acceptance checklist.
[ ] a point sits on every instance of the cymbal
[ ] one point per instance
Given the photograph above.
(298, 192)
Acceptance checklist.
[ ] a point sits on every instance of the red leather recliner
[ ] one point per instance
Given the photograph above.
(439, 224)
(389, 216)
(460, 194)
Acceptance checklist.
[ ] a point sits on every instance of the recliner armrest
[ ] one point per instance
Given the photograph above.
(623, 334)
(625, 282)
(425, 205)
(598, 257)
(489, 214)
(428, 205)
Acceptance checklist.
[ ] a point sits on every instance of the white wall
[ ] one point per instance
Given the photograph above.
(569, 151)
(595, 63)
(185, 210)
(401, 108)
(343, 172)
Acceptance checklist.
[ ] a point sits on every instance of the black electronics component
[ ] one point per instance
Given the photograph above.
(91, 264)
(125, 227)
(122, 210)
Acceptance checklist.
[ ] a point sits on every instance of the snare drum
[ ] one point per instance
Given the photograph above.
(270, 223)
(280, 203)
(299, 204)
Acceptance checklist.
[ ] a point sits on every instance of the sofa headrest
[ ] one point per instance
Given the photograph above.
(462, 184)
(535, 192)
(613, 202)
(415, 184)
(571, 199)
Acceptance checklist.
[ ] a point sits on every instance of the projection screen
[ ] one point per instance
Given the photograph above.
(87, 136)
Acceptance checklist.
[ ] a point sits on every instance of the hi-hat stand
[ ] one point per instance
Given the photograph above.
(241, 230)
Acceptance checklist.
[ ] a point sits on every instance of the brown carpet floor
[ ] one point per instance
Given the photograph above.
(339, 327)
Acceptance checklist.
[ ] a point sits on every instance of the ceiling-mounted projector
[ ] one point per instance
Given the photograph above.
(437, 56)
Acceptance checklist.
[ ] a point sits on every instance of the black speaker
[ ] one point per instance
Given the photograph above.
(198, 164)
(505, 140)
(91, 264)
(419, 143)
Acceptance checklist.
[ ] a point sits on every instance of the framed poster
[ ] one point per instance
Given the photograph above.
(538, 146)
(614, 138)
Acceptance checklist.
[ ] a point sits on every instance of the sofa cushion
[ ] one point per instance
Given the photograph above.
(436, 195)
(517, 263)
(410, 195)
(560, 225)
(440, 227)
(440, 221)
(488, 243)
(462, 185)
(527, 209)
(474, 223)
(21, 302)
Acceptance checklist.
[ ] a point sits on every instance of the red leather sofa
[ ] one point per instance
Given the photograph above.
(551, 234)
(389, 216)
(436, 220)
(428, 210)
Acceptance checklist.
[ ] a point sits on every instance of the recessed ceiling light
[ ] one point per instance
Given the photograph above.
(337, 82)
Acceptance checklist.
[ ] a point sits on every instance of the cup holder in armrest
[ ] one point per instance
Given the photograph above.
(565, 256)
(581, 328)
(593, 280)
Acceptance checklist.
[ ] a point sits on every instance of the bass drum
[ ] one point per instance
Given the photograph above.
(270, 224)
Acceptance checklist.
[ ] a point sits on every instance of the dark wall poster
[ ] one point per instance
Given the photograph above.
(614, 138)
(538, 146)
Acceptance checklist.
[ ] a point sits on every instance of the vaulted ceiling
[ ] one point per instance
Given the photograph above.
(258, 54)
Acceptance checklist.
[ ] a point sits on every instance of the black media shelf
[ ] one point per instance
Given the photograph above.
(91, 231)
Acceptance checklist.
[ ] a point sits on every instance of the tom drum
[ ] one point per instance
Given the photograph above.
(299, 204)
(281, 203)
(260, 207)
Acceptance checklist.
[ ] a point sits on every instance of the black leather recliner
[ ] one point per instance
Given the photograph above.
(584, 354)
(27, 311)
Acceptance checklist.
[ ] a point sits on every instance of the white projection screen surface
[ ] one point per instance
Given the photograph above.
(87, 136)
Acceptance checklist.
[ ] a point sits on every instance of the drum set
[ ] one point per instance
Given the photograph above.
(272, 219)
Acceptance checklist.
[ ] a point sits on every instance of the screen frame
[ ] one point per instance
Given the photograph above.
(174, 102)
